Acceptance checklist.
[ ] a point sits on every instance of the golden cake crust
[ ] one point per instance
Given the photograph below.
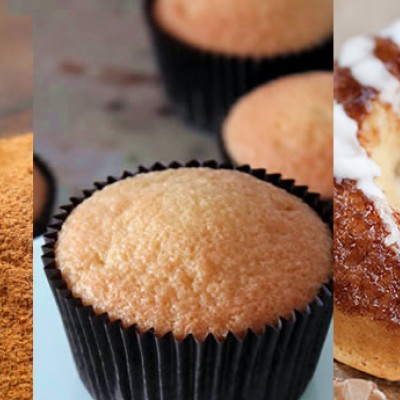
(367, 345)
(254, 28)
(286, 126)
(194, 251)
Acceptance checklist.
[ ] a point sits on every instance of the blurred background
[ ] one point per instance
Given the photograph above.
(99, 106)
(357, 17)
(16, 65)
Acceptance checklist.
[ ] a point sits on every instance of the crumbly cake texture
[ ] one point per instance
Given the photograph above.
(194, 251)
(16, 267)
(367, 344)
(255, 28)
(287, 126)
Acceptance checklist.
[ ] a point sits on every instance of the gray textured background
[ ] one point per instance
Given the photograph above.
(354, 17)
(88, 124)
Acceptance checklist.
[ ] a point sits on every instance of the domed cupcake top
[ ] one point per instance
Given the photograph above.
(286, 126)
(254, 28)
(194, 250)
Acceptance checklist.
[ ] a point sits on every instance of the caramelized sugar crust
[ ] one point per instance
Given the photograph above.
(367, 273)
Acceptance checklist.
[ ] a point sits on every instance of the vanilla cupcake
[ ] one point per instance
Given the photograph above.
(194, 259)
(286, 126)
(211, 52)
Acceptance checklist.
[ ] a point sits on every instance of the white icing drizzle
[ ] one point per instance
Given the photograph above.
(358, 56)
(392, 32)
(351, 160)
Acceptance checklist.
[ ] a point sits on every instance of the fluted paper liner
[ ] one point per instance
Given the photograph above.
(121, 363)
(40, 225)
(203, 85)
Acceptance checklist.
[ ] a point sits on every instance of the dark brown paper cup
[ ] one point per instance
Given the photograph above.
(121, 363)
(203, 85)
(40, 224)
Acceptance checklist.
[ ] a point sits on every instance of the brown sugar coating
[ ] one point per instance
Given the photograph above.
(367, 273)
(194, 251)
(287, 126)
(255, 28)
(16, 267)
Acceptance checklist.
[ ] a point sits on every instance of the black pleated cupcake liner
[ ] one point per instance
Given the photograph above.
(40, 224)
(203, 85)
(122, 363)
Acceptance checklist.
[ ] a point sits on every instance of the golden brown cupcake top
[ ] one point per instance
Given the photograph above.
(254, 28)
(287, 126)
(16, 267)
(194, 251)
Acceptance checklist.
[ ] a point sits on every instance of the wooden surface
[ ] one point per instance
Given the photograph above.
(16, 76)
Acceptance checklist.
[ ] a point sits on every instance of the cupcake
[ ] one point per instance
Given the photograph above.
(178, 282)
(210, 53)
(43, 196)
(286, 126)
(16, 352)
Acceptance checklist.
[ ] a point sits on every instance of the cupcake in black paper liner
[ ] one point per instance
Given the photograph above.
(171, 285)
(44, 195)
(285, 125)
(210, 53)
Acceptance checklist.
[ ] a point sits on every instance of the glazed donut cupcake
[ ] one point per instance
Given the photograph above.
(367, 204)
(44, 192)
(190, 290)
(210, 53)
(286, 126)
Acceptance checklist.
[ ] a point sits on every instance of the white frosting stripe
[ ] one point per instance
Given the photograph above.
(351, 160)
(358, 55)
(392, 32)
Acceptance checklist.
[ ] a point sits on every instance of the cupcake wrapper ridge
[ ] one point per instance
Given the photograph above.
(117, 363)
(40, 225)
(204, 85)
